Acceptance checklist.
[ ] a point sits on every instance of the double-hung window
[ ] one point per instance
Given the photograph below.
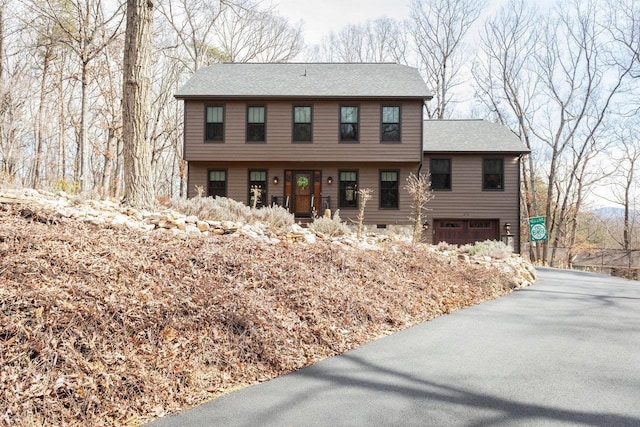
(493, 174)
(389, 193)
(390, 130)
(257, 187)
(217, 183)
(214, 128)
(440, 170)
(256, 129)
(302, 124)
(348, 189)
(349, 124)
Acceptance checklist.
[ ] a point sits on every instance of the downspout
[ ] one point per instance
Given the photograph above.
(421, 147)
(520, 156)
(184, 173)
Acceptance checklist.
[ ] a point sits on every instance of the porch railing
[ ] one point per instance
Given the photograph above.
(325, 202)
(280, 201)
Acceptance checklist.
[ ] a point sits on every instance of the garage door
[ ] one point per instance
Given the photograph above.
(463, 231)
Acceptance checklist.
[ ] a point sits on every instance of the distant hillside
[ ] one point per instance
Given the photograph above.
(611, 212)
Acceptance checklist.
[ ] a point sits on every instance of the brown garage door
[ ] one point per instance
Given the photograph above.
(463, 231)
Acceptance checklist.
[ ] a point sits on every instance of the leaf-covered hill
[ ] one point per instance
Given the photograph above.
(108, 326)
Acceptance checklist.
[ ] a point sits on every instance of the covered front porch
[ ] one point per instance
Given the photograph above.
(306, 188)
(302, 193)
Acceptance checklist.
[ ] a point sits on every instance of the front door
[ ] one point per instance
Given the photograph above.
(302, 187)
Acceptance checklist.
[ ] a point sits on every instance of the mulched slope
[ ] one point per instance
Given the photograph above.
(110, 327)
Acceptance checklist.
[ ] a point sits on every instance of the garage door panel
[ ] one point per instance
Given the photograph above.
(465, 231)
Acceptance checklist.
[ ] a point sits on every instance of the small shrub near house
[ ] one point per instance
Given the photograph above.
(276, 218)
(445, 246)
(331, 227)
(224, 209)
(492, 248)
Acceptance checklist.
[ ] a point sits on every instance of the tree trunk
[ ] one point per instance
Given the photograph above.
(3, 4)
(107, 171)
(183, 177)
(83, 150)
(138, 191)
(41, 119)
(62, 153)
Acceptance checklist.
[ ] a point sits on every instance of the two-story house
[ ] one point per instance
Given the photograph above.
(308, 135)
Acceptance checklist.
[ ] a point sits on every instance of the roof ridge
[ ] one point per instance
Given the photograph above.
(311, 63)
(457, 120)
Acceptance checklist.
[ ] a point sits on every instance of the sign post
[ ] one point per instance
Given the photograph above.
(537, 229)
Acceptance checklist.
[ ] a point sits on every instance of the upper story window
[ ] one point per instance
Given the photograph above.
(348, 189)
(217, 183)
(258, 182)
(349, 121)
(302, 124)
(390, 131)
(256, 129)
(493, 174)
(440, 170)
(389, 190)
(214, 128)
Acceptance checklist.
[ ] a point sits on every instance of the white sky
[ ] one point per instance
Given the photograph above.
(320, 17)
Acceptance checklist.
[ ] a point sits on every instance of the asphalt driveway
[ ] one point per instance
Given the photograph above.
(563, 352)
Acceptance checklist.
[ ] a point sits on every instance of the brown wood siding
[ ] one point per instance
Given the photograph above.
(368, 176)
(325, 145)
(466, 199)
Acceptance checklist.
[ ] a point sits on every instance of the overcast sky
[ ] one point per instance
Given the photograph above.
(323, 16)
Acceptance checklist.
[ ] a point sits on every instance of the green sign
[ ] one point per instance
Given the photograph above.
(537, 229)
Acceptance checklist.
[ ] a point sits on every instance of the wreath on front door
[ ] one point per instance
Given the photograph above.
(302, 182)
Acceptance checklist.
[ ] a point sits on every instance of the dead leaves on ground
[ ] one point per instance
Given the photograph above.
(113, 327)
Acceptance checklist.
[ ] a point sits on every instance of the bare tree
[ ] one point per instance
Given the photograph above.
(138, 188)
(108, 116)
(45, 53)
(14, 105)
(233, 30)
(624, 26)
(87, 31)
(560, 90)
(419, 187)
(439, 29)
(505, 82)
(624, 182)
(579, 96)
(193, 23)
(246, 33)
(364, 195)
(381, 40)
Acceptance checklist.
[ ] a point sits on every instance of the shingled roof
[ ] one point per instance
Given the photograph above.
(469, 136)
(316, 80)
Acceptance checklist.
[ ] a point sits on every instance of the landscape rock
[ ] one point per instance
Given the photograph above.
(109, 212)
(202, 226)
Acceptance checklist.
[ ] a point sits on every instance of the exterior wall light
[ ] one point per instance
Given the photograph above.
(276, 180)
(330, 180)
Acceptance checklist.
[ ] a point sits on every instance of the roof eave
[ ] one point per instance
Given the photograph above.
(518, 152)
(245, 97)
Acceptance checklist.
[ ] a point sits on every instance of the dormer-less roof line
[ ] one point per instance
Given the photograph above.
(305, 80)
(469, 136)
